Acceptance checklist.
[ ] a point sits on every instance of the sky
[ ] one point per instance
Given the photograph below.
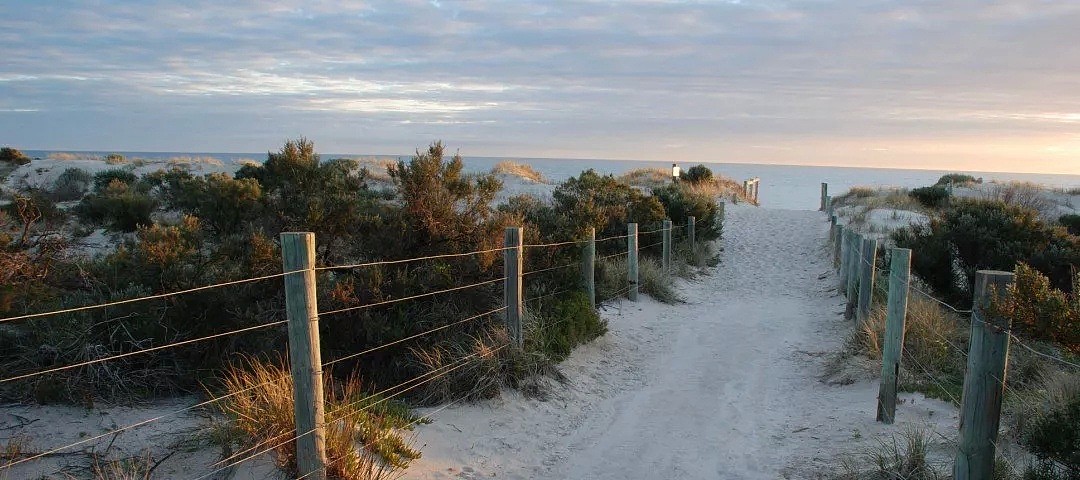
(988, 85)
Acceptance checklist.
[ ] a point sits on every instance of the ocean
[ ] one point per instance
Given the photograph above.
(794, 187)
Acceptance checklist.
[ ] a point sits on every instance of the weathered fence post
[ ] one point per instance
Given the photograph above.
(845, 243)
(838, 233)
(828, 205)
(305, 360)
(892, 348)
(832, 228)
(867, 275)
(691, 230)
(512, 286)
(631, 260)
(984, 381)
(665, 255)
(757, 190)
(746, 188)
(824, 194)
(721, 206)
(588, 266)
(854, 254)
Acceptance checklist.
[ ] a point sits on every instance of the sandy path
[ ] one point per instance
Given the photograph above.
(725, 385)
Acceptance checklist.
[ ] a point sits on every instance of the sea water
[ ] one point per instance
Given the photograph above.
(796, 187)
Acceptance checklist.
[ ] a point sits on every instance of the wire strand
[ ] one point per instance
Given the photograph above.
(568, 265)
(145, 350)
(146, 298)
(433, 330)
(555, 244)
(413, 297)
(408, 260)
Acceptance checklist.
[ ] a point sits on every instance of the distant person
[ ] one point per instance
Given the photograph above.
(675, 171)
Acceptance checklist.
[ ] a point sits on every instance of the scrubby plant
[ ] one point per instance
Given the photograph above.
(115, 159)
(698, 174)
(564, 322)
(604, 203)
(14, 156)
(72, 184)
(958, 179)
(680, 202)
(1020, 194)
(104, 178)
(1071, 222)
(931, 197)
(1041, 312)
(974, 235)
(119, 204)
(1053, 431)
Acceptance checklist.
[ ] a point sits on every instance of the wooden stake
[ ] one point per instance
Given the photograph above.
(867, 275)
(305, 360)
(691, 230)
(892, 348)
(984, 381)
(512, 289)
(588, 266)
(665, 255)
(631, 260)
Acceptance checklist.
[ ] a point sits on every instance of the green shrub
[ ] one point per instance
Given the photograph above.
(72, 184)
(115, 159)
(1041, 312)
(1071, 222)
(119, 205)
(957, 179)
(224, 203)
(606, 204)
(1054, 434)
(975, 235)
(681, 202)
(698, 174)
(563, 323)
(104, 178)
(11, 155)
(931, 197)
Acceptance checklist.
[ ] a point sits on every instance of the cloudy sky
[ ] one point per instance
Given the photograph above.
(961, 84)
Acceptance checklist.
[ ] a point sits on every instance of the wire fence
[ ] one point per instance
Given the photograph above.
(384, 395)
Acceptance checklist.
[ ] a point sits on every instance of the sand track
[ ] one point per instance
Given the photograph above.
(725, 385)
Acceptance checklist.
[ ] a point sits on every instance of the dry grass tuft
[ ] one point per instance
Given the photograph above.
(363, 439)
(646, 177)
(1022, 194)
(905, 458)
(522, 170)
(126, 469)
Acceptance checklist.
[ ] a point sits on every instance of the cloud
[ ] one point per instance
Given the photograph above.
(722, 78)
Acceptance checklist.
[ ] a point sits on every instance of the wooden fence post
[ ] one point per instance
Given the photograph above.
(892, 348)
(722, 213)
(588, 267)
(984, 381)
(305, 359)
(838, 233)
(631, 260)
(824, 194)
(691, 231)
(828, 205)
(854, 254)
(832, 228)
(665, 255)
(842, 258)
(867, 275)
(512, 289)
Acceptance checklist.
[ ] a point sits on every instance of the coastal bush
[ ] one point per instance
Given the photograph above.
(566, 322)
(522, 170)
(105, 178)
(119, 205)
(698, 174)
(224, 203)
(14, 156)
(1052, 431)
(931, 197)
(72, 184)
(1071, 223)
(974, 235)
(680, 202)
(606, 204)
(1041, 312)
(115, 159)
(957, 179)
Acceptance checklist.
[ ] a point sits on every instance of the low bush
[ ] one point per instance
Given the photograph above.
(680, 202)
(115, 159)
(72, 184)
(565, 322)
(1053, 432)
(1041, 312)
(698, 174)
(104, 178)
(119, 205)
(1071, 223)
(931, 197)
(971, 235)
(522, 170)
(957, 179)
(14, 156)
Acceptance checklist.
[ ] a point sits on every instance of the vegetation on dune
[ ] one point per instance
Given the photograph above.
(13, 156)
(1004, 229)
(522, 170)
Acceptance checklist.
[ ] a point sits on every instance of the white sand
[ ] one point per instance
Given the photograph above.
(724, 386)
